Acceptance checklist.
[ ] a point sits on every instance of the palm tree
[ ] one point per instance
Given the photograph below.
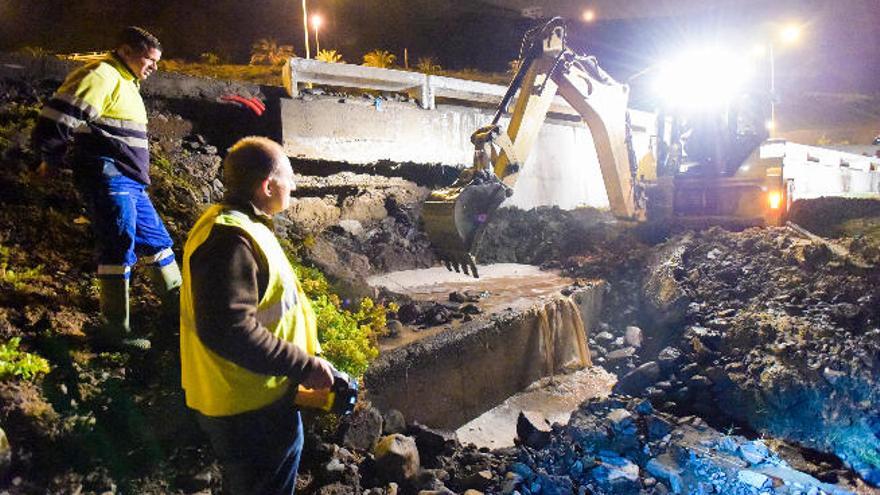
(428, 65)
(267, 51)
(379, 58)
(331, 56)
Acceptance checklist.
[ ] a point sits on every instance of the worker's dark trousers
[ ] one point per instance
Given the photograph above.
(259, 451)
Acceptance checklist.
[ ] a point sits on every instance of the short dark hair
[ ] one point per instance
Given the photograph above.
(139, 39)
(250, 161)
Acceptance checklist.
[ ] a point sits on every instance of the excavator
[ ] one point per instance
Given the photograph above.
(716, 165)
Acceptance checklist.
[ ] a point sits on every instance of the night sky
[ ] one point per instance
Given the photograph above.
(840, 51)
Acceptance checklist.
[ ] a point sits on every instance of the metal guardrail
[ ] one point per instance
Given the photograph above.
(83, 56)
(427, 88)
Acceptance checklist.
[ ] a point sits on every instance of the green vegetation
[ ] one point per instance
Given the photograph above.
(16, 121)
(18, 363)
(18, 278)
(257, 74)
(347, 335)
(209, 58)
(379, 58)
(267, 51)
(330, 56)
(428, 65)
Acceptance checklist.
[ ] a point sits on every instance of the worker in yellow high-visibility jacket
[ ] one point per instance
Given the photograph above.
(99, 116)
(248, 335)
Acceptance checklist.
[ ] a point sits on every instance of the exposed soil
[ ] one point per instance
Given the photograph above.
(109, 421)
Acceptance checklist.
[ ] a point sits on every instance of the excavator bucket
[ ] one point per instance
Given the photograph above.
(456, 216)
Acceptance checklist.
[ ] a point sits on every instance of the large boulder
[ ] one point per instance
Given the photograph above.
(665, 300)
(397, 458)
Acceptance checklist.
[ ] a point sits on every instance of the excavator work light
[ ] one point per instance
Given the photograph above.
(703, 78)
(775, 200)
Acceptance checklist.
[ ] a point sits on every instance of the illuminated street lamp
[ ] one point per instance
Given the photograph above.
(589, 15)
(306, 27)
(788, 35)
(316, 23)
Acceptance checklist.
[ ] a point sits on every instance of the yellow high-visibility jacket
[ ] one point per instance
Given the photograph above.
(99, 108)
(216, 386)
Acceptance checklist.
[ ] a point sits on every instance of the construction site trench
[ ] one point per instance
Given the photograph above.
(590, 357)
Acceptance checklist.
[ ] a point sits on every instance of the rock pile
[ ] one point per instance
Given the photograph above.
(616, 446)
(763, 328)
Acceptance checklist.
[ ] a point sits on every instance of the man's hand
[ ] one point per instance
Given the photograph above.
(320, 377)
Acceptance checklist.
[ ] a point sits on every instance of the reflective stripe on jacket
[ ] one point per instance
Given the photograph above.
(98, 107)
(215, 386)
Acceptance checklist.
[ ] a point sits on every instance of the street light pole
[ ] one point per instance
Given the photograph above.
(787, 35)
(772, 126)
(306, 27)
(316, 21)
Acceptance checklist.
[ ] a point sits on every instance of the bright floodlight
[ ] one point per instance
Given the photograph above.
(316, 21)
(759, 51)
(589, 15)
(790, 33)
(704, 78)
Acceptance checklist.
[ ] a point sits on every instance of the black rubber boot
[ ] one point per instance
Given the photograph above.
(115, 332)
(167, 281)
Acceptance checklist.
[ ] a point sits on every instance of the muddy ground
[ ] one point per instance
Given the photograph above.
(767, 333)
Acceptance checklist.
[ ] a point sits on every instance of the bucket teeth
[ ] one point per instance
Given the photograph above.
(473, 264)
(466, 265)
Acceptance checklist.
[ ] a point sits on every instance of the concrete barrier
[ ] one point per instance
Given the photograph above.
(450, 378)
(562, 169)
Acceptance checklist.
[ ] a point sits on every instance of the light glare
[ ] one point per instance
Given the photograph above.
(703, 79)
(589, 15)
(775, 200)
(790, 33)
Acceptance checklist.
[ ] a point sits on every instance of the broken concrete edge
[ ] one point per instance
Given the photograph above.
(450, 378)
(431, 176)
(163, 84)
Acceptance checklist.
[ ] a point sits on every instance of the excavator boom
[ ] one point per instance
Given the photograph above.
(456, 216)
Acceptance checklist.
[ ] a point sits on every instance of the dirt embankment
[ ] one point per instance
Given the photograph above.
(107, 421)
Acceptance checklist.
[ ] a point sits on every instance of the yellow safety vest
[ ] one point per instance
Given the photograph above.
(213, 385)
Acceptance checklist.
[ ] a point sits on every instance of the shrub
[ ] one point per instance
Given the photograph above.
(15, 362)
(428, 65)
(379, 58)
(209, 58)
(348, 336)
(18, 278)
(330, 56)
(267, 51)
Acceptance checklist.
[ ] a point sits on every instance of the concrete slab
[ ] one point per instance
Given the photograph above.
(555, 397)
(448, 375)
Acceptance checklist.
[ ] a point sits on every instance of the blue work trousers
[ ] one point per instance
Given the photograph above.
(123, 218)
(259, 451)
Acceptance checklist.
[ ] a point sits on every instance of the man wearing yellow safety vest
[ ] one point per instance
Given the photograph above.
(100, 111)
(248, 335)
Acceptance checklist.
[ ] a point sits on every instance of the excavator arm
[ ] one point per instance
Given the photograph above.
(456, 216)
